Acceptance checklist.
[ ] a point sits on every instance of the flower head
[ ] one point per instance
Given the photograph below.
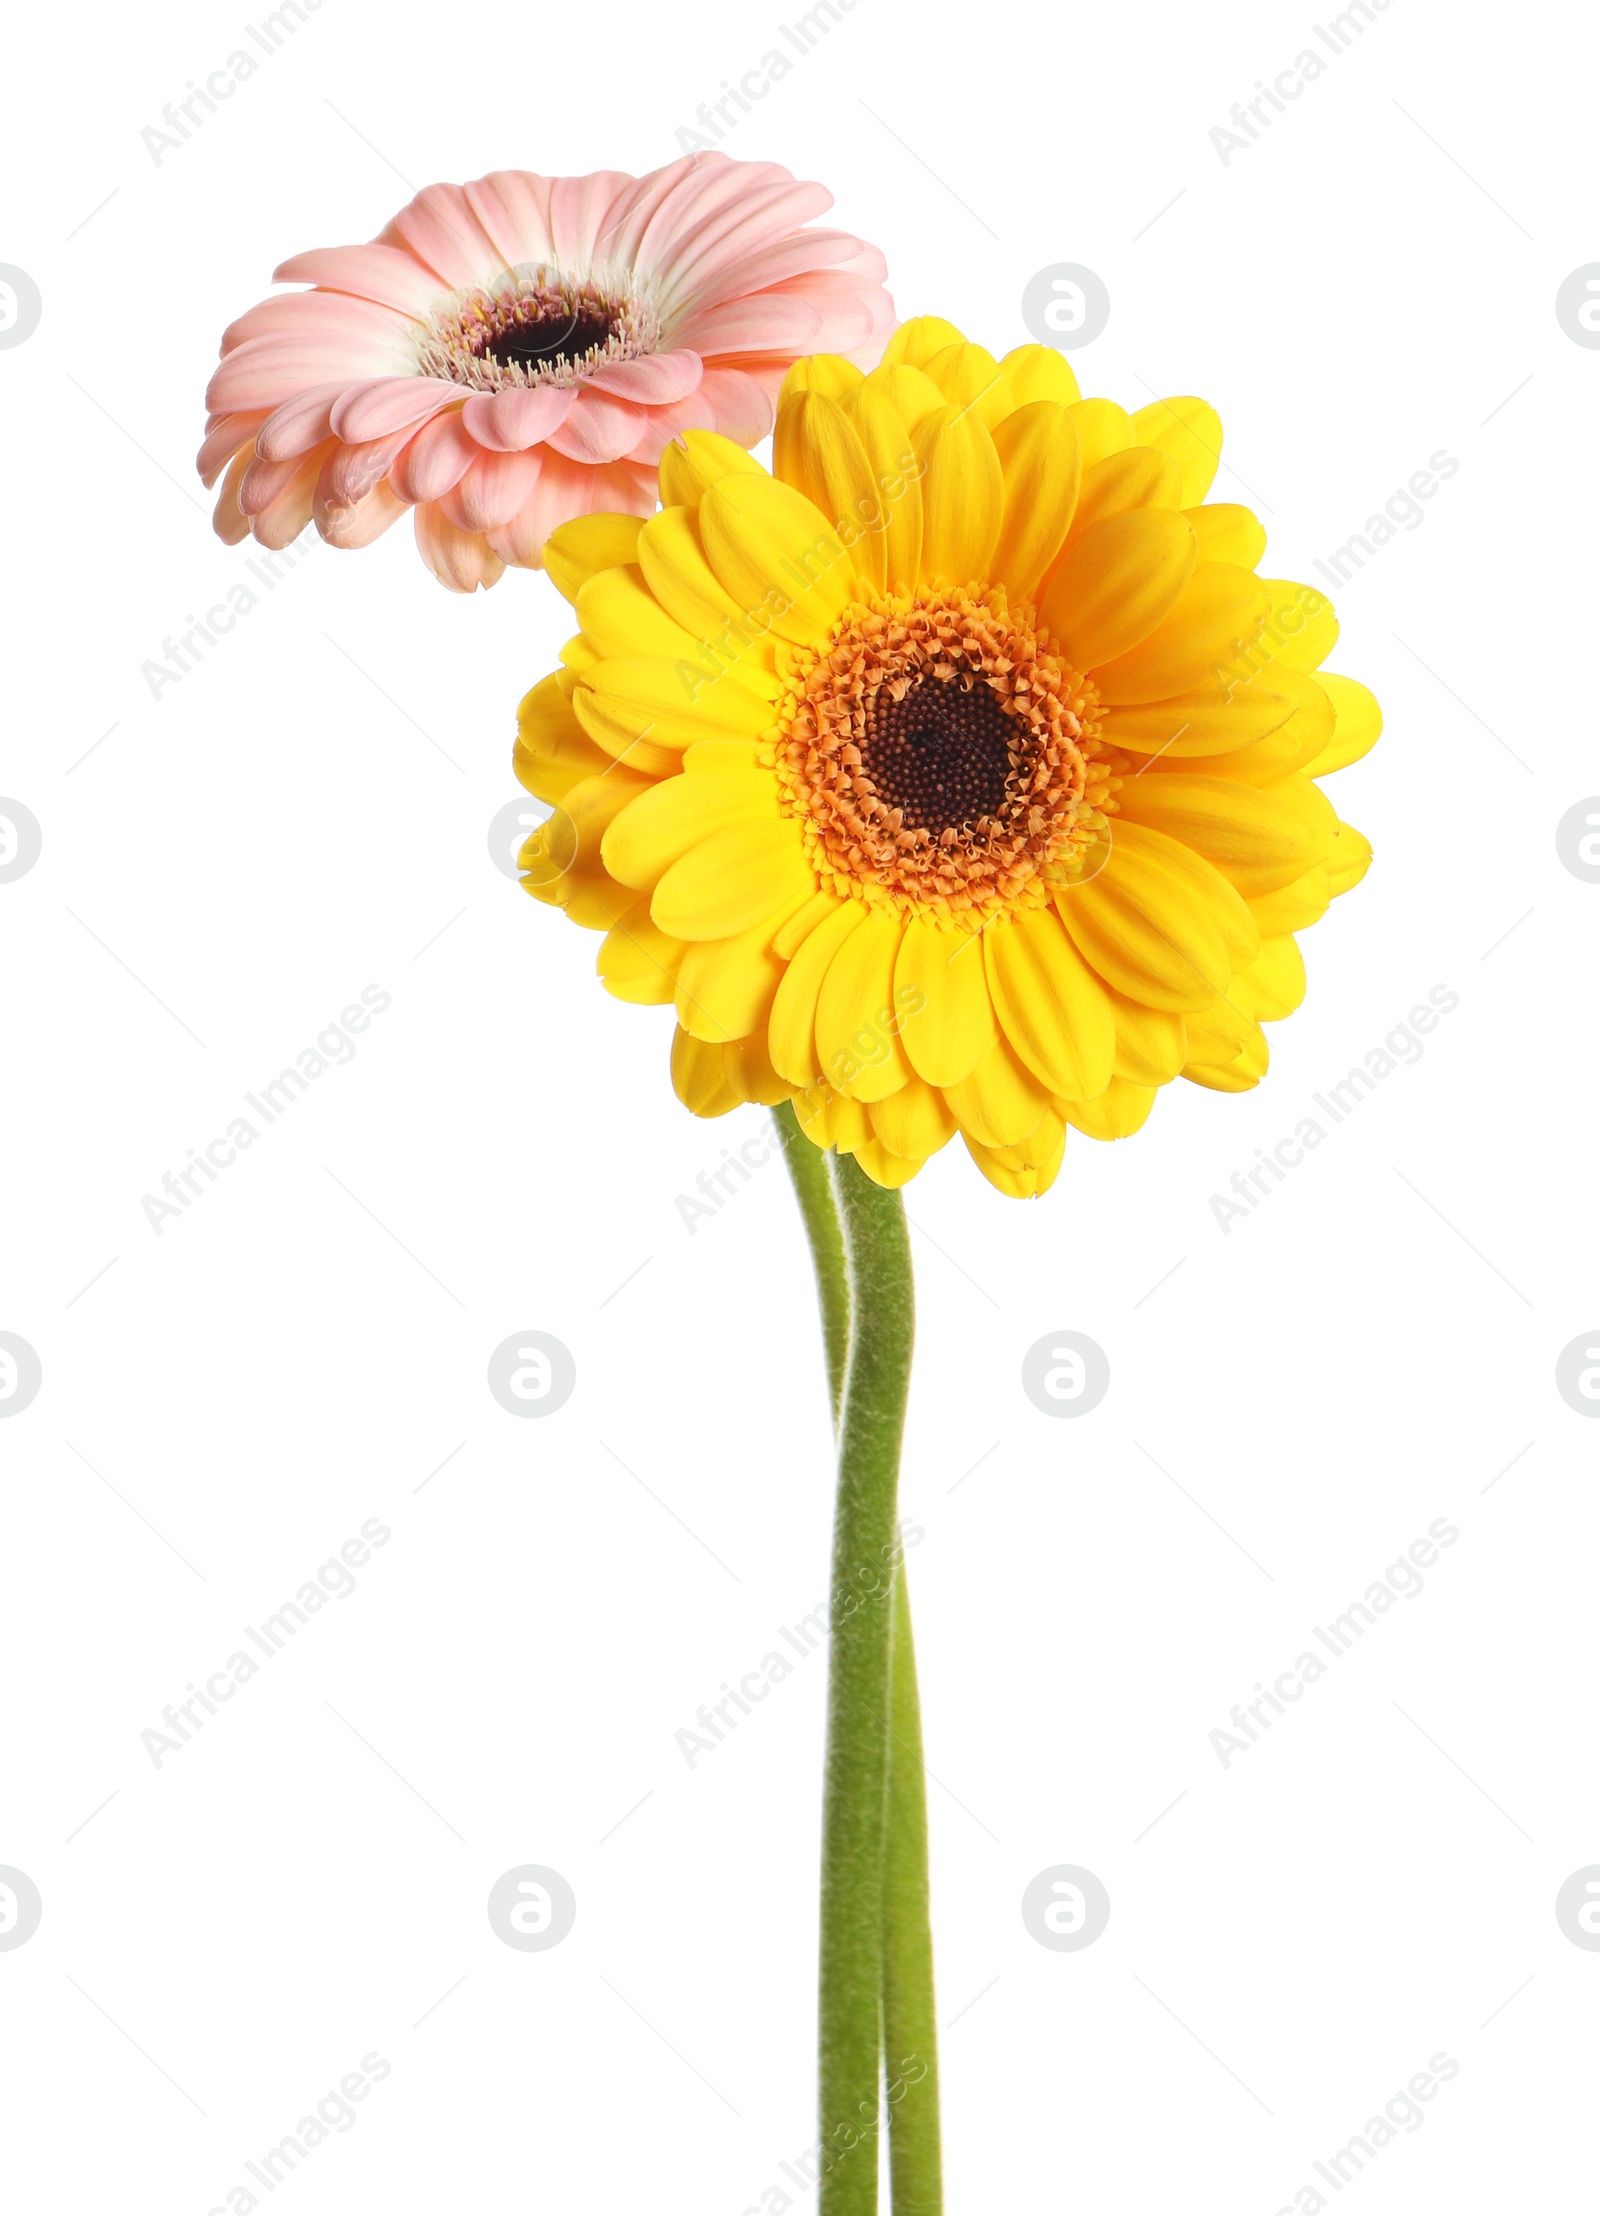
(957, 776)
(515, 352)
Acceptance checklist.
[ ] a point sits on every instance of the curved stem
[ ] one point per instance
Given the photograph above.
(904, 2034)
(808, 1172)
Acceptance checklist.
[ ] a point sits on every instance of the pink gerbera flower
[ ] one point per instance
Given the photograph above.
(512, 353)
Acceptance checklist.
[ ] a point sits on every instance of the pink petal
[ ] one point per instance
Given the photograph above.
(564, 490)
(286, 515)
(441, 230)
(756, 219)
(355, 470)
(581, 212)
(697, 411)
(385, 404)
(387, 274)
(492, 491)
(458, 559)
(513, 206)
(842, 302)
(228, 519)
(264, 373)
(299, 423)
(510, 420)
(362, 521)
(724, 274)
(224, 437)
(599, 429)
(316, 316)
(743, 403)
(651, 380)
(437, 458)
(770, 323)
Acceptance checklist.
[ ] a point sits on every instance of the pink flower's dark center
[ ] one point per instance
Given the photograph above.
(536, 327)
(535, 334)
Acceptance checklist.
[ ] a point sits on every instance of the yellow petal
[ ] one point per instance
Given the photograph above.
(1218, 607)
(1000, 1103)
(1275, 982)
(1359, 721)
(886, 437)
(1113, 586)
(827, 1120)
(575, 551)
(637, 962)
(750, 1072)
(1349, 859)
(792, 935)
(1038, 450)
(825, 373)
(920, 338)
(1103, 428)
(674, 566)
(1138, 477)
(777, 556)
(1026, 1171)
(621, 615)
(1051, 1006)
(973, 381)
(1191, 432)
(1152, 1043)
(699, 1077)
(1260, 837)
(1146, 930)
(1301, 629)
(1039, 373)
(818, 449)
(914, 1122)
(693, 463)
(1228, 533)
(1220, 1032)
(792, 1027)
(1291, 745)
(733, 880)
(725, 986)
(884, 1168)
(1120, 1111)
(962, 496)
(1207, 722)
(1292, 907)
(947, 1017)
(637, 697)
(910, 393)
(857, 1028)
(661, 824)
(552, 753)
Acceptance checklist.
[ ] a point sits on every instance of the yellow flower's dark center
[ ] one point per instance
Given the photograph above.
(941, 754)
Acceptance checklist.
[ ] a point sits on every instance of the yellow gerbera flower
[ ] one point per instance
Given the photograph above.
(956, 776)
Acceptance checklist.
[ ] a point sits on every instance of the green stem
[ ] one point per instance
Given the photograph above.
(808, 1172)
(910, 2035)
(896, 2018)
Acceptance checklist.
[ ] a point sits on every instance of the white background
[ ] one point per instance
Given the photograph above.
(1292, 1405)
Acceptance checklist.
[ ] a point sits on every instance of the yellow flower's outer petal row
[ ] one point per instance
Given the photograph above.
(891, 1035)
